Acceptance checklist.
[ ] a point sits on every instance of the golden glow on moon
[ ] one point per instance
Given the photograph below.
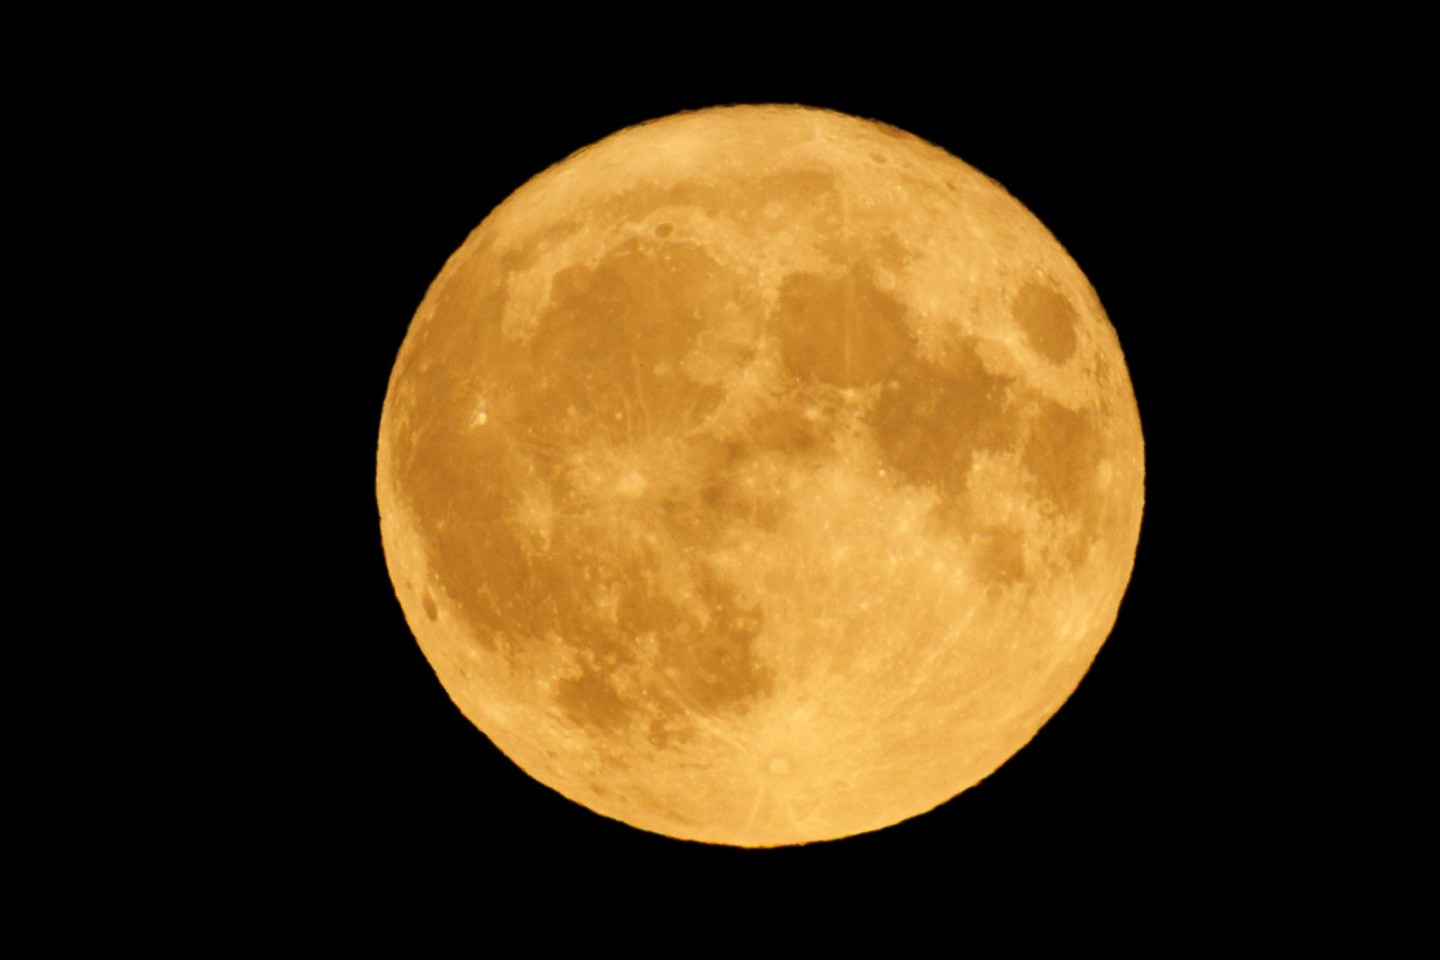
(760, 475)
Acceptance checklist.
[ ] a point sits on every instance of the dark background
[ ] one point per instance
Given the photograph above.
(356, 760)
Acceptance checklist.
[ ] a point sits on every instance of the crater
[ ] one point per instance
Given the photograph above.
(1048, 321)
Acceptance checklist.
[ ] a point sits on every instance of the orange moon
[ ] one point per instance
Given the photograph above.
(760, 475)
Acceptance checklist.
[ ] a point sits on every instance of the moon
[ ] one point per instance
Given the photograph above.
(760, 475)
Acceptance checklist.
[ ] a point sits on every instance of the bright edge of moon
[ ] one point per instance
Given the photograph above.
(760, 475)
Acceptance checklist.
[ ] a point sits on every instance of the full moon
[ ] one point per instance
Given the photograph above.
(760, 475)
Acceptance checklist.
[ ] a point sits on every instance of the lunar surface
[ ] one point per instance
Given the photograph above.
(760, 475)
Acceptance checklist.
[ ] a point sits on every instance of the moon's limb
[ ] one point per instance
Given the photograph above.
(760, 475)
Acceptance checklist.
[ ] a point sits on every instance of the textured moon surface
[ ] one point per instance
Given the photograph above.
(760, 475)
